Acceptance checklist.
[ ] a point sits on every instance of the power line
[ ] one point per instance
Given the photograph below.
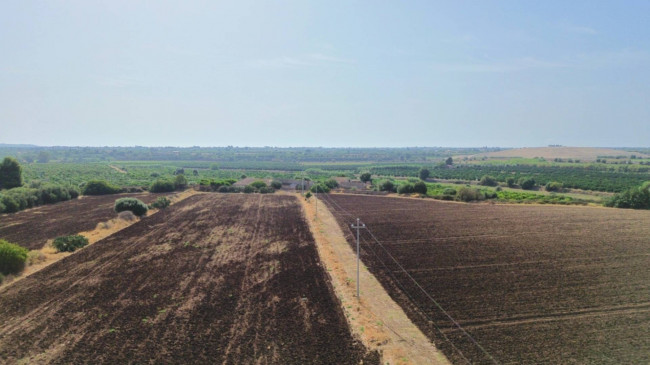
(423, 291)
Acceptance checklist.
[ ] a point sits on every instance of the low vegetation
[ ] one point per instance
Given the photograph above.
(100, 187)
(634, 198)
(17, 199)
(69, 243)
(136, 206)
(12, 258)
(162, 186)
(161, 203)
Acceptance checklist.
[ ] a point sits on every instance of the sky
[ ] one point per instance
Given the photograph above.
(325, 73)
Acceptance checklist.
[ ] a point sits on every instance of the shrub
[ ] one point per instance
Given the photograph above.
(449, 191)
(387, 185)
(257, 184)
(127, 216)
(69, 243)
(365, 177)
(267, 190)
(12, 258)
(332, 184)
(162, 186)
(308, 195)
(487, 180)
(35, 257)
(180, 182)
(467, 194)
(275, 184)
(161, 203)
(635, 198)
(405, 189)
(320, 188)
(420, 187)
(134, 205)
(248, 189)
(10, 204)
(527, 183)
(553, 186)
(99, 187)
(2, 206)
(510, 181)
(424, 174)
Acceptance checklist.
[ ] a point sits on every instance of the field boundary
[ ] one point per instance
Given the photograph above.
(50, 255)
(380, 323)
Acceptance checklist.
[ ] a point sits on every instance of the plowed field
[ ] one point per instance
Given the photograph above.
(531, 284)
(214, 279)
(33, 227)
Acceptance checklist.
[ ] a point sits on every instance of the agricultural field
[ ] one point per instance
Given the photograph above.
(215, 278)
(550, 153)
(33, 227)
(530, 284)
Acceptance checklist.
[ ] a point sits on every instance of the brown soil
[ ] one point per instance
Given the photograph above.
(532, 284)
(374, 317)
(216, 278)
(33, 227)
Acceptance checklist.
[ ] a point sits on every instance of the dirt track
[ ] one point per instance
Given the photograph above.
(217, 278)
(33, 227)
(532, 284)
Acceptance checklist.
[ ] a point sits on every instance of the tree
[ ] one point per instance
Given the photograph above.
(405, 188)
(10, 174)
(424, 174)
(180, 182)
(449, 161)
(365, 177)
(510, 181)
(553, 186)
(387, 185)
(277, 185)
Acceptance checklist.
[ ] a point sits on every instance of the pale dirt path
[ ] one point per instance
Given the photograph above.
(376, 319)
(117, 169)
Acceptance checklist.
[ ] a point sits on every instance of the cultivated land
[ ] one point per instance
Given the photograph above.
(532, 284)
(549, 153)
(33, 227)
(215, 278)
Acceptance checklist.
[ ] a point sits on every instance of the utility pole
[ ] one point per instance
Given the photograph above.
(316, 199)
(358, 227)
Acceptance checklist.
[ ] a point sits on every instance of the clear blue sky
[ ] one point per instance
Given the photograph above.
(327, 73)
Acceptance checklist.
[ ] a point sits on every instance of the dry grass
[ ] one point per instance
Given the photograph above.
(580, 153)
(379, 323)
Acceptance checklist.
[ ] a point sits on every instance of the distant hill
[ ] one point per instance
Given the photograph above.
(8, 145)
(581, 153)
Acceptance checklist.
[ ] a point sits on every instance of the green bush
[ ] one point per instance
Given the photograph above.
(162, 186)
(69, 243)
(467, 194)
(100, 187)
(12, 258)
(420, 187)
(320, 188)
(180, 182)
(553, 186)
(332, 184)
(527, 183)
(134, 205)
(161, 203)
(449, 191)
(266, 190)
(510, 181)
(487, 180)
(405, 189)
(365, 177)
(387, 185)
(424, 174)
(275, 184)
(257, 184)
(634, 198)
(248, 189)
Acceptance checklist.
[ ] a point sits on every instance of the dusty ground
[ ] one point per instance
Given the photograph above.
(32, 228)
(375, 318)
(216, 278)
(532, 284)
